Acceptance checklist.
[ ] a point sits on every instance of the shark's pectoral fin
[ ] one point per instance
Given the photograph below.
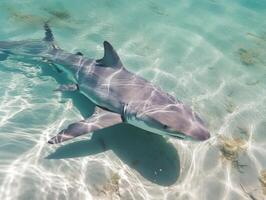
(55, 67)
(50, 63)
(67, 87)
(99, 120)
(110, 58)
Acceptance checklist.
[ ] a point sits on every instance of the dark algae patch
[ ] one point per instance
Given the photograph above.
(59, 14)
(157, 9)
(53, 16)
(18, 16)
(254, 55)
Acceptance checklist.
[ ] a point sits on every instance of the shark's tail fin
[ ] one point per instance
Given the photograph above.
(49, 37)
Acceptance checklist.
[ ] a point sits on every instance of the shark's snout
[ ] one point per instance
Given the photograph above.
(200, 134)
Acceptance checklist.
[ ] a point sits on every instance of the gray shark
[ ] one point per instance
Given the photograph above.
(120, 96)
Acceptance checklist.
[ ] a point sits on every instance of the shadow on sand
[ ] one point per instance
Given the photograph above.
(149, 154)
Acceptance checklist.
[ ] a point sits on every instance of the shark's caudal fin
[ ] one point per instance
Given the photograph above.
(110, 58)
(49, 37)
(99, 120)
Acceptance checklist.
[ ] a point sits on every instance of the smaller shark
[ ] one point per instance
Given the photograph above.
(119, 95)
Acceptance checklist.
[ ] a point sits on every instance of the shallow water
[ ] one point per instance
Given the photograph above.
(209, 54)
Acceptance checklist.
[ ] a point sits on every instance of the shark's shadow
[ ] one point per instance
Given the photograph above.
(149, 154)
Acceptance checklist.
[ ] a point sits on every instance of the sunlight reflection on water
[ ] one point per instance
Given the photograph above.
(210, 55)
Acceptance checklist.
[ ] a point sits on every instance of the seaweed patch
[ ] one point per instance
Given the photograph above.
(247, 57)
(111, 188)
(256, 53)
(230, 149)
(262, 179)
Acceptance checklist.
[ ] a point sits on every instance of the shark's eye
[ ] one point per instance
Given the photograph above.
(165, 126)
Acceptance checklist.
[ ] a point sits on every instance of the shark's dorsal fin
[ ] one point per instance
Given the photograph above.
(110, 58)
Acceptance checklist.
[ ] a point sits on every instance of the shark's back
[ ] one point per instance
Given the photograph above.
(112, 88)
(110, 85)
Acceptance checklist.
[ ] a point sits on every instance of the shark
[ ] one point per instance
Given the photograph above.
(120, 96)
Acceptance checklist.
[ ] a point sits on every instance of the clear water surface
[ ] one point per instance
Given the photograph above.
(210, 54)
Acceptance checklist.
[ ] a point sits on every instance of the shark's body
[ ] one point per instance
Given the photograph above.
(120, 95)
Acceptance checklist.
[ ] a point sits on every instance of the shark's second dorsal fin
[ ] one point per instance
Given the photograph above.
(110, 58)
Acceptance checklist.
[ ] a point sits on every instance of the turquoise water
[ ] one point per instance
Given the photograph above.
(209, 54)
